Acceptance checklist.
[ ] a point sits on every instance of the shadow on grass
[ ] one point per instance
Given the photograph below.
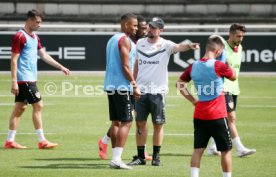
(69, 166)
(68, 159)
(96, 163)
(175, 154)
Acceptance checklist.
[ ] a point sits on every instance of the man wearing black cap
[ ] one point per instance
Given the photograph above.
(152, 58)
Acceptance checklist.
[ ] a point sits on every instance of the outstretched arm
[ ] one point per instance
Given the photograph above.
(182, 47)
(49, 60)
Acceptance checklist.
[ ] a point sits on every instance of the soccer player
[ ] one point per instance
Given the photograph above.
(25, 47)
(233, 50)
(142, 29)
(210, 116)
(103, 142)
(120, 84)
(152, 58)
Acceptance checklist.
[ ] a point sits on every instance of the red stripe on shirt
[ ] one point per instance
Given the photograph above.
(19, 41)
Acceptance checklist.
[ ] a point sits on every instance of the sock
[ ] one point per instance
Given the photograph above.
(227, 174)
(105, 139)
(113, 153)
(213, 144)
(238, 144)
(194, 172)
(117, 153)
(156, 150)
(141, 151)
(11, 135)
(40, 135)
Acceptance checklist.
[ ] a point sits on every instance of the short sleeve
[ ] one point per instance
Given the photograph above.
(169, 45)
(186, 75)
(39, 46)
(18, 42)
(223, 70)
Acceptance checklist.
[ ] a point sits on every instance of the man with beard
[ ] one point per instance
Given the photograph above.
(119, 84)
(152, 59)
(233, 50)
(141, 32)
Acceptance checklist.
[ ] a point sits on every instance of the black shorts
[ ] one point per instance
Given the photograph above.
(28, 93)
(218, 129)
(153, 104)
(132, 101)
(120, 107)
(231, 101)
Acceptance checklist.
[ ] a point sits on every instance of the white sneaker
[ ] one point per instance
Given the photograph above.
(214, 151)
(246, 152)
(119, 165)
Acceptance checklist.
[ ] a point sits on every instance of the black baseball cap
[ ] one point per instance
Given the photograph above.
(157, 22)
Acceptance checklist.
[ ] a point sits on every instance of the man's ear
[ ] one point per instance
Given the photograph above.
(126, 25)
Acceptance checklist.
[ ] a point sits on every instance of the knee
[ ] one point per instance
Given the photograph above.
(141, 124)
(129, 123)
(126, 124)
(158, 128)
(38, 106)
(21, 109)
(115, 124)
(141, 128)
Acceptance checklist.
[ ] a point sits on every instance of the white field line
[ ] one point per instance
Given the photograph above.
(27, 133)
(62, 96)
(257, 97)
(104, 95)
(258, 106)
(168, 105)
(240, 97)
(167, 134)
(12, 104)
(170, 134)
(90, 81)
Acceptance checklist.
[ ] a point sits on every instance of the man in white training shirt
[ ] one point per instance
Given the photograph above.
(152, 59)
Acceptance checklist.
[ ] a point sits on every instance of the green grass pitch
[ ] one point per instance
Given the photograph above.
(76, 116)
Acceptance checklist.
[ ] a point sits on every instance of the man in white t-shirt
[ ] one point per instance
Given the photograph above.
(151, 72)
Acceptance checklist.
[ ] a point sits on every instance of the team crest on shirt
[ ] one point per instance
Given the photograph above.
(37, 94)
(158, 46)
(231, 105)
